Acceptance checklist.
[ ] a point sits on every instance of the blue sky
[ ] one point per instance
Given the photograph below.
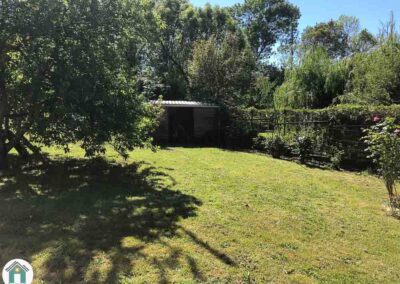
(370, 12)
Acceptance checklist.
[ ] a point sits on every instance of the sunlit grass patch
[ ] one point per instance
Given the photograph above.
(196, 215)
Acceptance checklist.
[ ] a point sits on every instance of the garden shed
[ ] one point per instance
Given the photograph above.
(188, 122)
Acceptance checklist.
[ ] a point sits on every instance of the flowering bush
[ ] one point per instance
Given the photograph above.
(383, 140)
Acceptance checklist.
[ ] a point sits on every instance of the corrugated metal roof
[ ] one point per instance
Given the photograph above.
(184, 104)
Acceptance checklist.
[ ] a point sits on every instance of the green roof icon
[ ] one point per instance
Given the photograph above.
(17, 273)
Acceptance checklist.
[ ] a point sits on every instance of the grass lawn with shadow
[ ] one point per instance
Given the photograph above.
(188, 215)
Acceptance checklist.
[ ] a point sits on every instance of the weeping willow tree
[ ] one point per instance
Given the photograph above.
(315, 82)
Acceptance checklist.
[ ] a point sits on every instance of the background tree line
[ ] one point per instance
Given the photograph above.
(252, 55)
(82, 71)
(337, 62)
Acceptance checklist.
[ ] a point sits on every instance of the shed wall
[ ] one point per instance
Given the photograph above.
(205, 125)
(204, 121)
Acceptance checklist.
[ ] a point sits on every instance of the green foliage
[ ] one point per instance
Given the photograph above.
(342, 114)
(322, 70)
(369, 76)
(337, 155)
(340, 38)
(68, 75)
(273, 145)
(221, 72)
(304, 145)
(266, 22)
(314, 83)
(375, 76)
(261, 94)
(330, 36)
(300, 145)
(173, 32)
(383, 140)
(170, 30)
(333, 135)
(260, 139)
(364, 41)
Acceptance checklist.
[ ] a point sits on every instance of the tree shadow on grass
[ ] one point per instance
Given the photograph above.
(64, 215)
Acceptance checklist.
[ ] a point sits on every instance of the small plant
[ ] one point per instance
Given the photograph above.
(304, 145)
(272, 144)
(259, 141)
(383, 140)
(275, 146)
(337, 157)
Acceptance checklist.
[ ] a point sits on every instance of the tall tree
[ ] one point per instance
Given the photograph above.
(314, 83)
(172, 27)
(375, 76)
(221, 71)
(340, 38)
(364, 41)
(67, 75)
(330, 36)
(266, 22)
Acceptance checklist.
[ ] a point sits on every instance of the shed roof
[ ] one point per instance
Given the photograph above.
(184, 104)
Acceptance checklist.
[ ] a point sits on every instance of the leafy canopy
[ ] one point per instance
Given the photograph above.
(266, 22)
(221, 71)
(68, 74)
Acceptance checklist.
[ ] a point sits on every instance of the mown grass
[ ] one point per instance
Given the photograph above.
(196, 215)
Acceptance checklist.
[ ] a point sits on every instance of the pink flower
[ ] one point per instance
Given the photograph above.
(376, 119)
(397, 132)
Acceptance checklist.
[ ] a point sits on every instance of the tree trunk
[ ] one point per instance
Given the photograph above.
(3, 158)
(22, 151)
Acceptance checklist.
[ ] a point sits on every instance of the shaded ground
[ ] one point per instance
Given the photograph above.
(72, 211)
(196, 215)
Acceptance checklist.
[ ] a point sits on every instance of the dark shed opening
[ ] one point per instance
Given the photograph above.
(188, 123)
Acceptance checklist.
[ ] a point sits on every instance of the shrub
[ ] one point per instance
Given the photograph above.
(271, 144)
(260, 140)
(238, 132)
(383, 140)
(276, 146)
(337, 157)
(304, 144)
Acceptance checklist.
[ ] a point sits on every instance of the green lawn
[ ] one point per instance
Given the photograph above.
(196, 215)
